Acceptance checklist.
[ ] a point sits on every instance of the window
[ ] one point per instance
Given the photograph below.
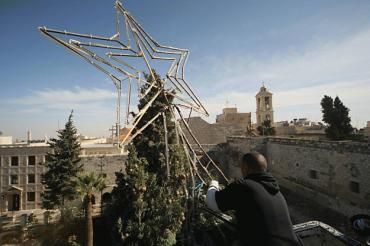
(30, 196)
(31, 178)
(354, 187)
(31, 160)
(267, 103)
(313, 174)
(14, 161)
(13, 179)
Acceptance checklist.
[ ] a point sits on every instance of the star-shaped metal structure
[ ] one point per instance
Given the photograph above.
(119, 57)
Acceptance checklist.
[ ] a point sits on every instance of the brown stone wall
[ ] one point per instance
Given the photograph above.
(320, 170)
(111, 165)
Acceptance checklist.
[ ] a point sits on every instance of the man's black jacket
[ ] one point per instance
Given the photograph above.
(261, 210)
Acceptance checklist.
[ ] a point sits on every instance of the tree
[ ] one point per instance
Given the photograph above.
(62, 165)
(150, 202)
(336, 115)
(86, 185)
(266, 129)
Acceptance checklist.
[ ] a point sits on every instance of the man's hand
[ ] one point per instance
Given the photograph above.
(210, 198)
(214, 183)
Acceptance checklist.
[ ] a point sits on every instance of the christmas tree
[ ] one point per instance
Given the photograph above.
(150, 196)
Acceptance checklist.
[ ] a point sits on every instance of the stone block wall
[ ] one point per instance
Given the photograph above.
(335, 174)
(107, 164)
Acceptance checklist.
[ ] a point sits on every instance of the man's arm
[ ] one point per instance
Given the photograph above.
(224, 200)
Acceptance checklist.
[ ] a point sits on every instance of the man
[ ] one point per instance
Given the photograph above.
(261, 210)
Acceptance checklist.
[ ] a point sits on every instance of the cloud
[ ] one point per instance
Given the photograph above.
(298, 78)
(77, 98)
(321, 61)
(42, 111)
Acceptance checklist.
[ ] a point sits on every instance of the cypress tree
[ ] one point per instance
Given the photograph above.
(62, 165)
(336, 115)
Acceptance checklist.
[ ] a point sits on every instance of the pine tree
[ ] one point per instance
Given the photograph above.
(336, 115)
(62, 165)
(266, 129)
(149, 203)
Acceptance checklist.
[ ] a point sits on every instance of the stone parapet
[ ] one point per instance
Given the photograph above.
(339, 146)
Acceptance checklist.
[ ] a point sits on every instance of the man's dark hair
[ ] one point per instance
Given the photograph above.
(255, 161)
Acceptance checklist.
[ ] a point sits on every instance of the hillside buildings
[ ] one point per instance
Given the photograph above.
(234, 123)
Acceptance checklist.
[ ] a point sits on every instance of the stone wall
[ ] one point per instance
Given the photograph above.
(206, 133)
(335, 174)
(107, 165)
(228, 155)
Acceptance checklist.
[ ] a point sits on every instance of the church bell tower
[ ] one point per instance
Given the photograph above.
(264, 106)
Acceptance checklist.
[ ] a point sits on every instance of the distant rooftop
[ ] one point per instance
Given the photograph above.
(6, 140)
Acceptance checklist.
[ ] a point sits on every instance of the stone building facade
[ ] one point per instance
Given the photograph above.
(229, 123)
(21, 167)
(20, 175)
(333, 174)
(231, 117)
(205, 132)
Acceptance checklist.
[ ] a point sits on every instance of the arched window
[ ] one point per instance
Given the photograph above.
(267, 103)
(106, 198)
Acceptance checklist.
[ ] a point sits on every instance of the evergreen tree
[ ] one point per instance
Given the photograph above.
(150, 204)
(62, 165)
(336, 115)
(266, 129)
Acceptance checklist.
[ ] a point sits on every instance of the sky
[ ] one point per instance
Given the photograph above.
(301, 50)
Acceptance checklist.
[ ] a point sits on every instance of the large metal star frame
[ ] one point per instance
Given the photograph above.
(113, 62)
